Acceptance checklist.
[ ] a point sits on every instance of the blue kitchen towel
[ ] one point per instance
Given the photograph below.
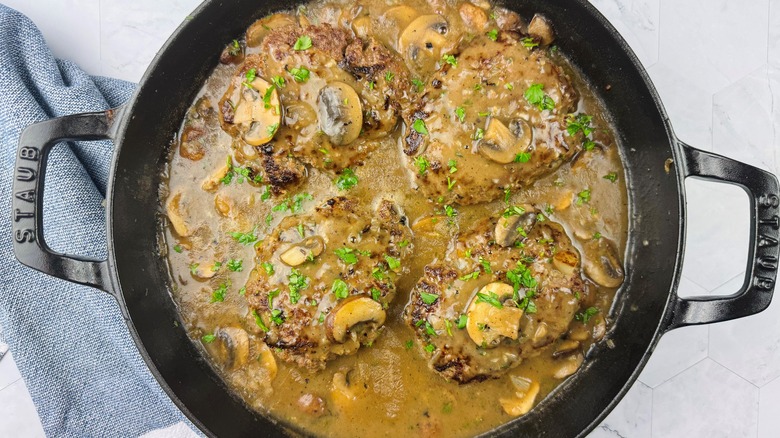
(69, 342)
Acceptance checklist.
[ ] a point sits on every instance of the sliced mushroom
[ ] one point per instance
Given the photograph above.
(307, 249)
(423, 42)
(568, 366)
(342, 393)
(523, 403)
(540, 29)
(204, 270)
(258, 113)
(400, 16)
(176, 214)
(432, 226)
(488, 324)
(502, 144)
(474, 16)
(340, 113)
(509, 229)
(578, 333)
(267, 360)
(232, 346)
(566, 261)
(565, 348)
(223, 204)
(211, 184)
(603, 265)
(599, 327)
(262, 27)
(351, 312)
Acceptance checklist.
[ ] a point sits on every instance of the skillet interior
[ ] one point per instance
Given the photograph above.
(654, 246)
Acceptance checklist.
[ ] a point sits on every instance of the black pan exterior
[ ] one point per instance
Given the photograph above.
(647, 305)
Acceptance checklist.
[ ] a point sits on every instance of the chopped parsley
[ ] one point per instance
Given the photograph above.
(392, 262)
(346, 180)
(585, 316)
(250, 76)
(449, 59)
(523, 157)
(485, 265)
(268, 267)
(259, 321)
(298, 282)
(418, 84)
(234, 48)
(303, 43)
(347, 255)
(450, 211)
(461, 321)
(340, 289)
(278, 81)
(389, 76)
(422, 164)
(453, 165)
(450, 183)
(460, 113)
(208, 338)
(536, 96)
(267, 96)
(277, 317)
(177, 248)
(419, 126)
(489, 298)
(244, 238)
(409, 344)
(513, 210)
(235, 265)
(218, 295)
(529, 43)
(597, 235)
(266, 195)
(300, 74)
(611, 176)
(301, 231)
(194, 268)
(583, 196)
(428, 298)
(473, 276)
(376, 294)
(271, 129)
(492, 34)
(430, 348)
(509, 86)
(271, 295)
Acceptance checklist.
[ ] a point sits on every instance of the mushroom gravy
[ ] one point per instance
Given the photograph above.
(342, 276)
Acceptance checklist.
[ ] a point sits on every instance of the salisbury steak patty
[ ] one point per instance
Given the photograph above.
(507, 289)
(492, 117)
(323, 280)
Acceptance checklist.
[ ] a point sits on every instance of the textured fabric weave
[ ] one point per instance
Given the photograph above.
(70, 342)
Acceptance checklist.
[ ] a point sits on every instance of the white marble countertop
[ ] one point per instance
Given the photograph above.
(716, 64)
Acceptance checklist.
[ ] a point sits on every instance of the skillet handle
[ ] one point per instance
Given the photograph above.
(756, 292)
(30, 246)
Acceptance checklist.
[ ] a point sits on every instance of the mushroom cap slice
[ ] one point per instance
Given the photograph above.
(509, 228)
(340, 113)
(487, 323)
(523, 403)
(258, 112)
(349, 313)
(603, 266)
(176, 215)
(233, 346)
(502, 144)
(301, 252)
(540, 29)
(423, 41)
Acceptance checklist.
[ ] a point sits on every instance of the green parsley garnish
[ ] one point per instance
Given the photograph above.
(490, 298)
(376, 294)
(392, 262)
(346, 180)
(409, 344)
(266, 194)
(177, 248)
(218, 295)
(453, 165)
(271, 295)
(250, 75)
(194, 268)
(235, 265)
(277, 317)
(300, 74)
(529, 43)
(509, 86)
(259, 321)
(302, 43)
(513, 210)
(523, 157)
(208, 338)
(403, 244)
(422, 164)
(268, 267)
(492, 34)
(235, 48)
(271, 129)
(278, 81)
(418, 84)
(596, 235)
(461, 321)
(583, 196)
(460, 112)
(389, 76)
(428, 298)
(485, 265)
(267, 96)
(611, 176)
(449, 59)
(244, 238)
(347, 255)
(419, 126)
(340, 289)
(479, 134)
(450, 183)
(298, 282)
(585, 316)
(473, 276)
(535, 96)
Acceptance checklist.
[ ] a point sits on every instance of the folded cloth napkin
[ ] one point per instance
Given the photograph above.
(70, 343)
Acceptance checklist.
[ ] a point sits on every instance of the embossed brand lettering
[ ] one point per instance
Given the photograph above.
(773, 222)
(25, 174)
(26, 195)
(18, 214)
(764, 283)
(767, 200)
(767, 262)
(23, 236)
(29, 153)
(764, 241)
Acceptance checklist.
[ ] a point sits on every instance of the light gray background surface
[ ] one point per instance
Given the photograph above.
(716, 64)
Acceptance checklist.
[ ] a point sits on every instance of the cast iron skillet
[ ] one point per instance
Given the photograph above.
(646, 307)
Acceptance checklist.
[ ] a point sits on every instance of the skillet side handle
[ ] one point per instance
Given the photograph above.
(761, 272)
(30, 246)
